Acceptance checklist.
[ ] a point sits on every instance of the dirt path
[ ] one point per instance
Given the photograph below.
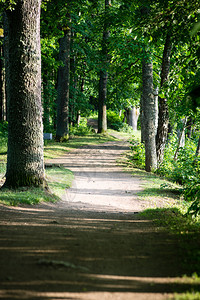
(90, 245)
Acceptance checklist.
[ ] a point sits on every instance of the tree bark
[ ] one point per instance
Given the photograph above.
(1, 83)
(6, 60)
(163, 115)
(62, 130)
(189, 127)
(142, 119)
(180, 138)
(132, 117)
(102, 115)
(73, 83)
(25, 165)
(149, 116)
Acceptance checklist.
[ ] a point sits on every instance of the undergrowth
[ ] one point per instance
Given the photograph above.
(184, 171)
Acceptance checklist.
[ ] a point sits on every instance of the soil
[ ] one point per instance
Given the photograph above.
(92, 244)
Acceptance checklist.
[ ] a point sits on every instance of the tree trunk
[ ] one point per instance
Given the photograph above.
(6, 60)
(25, 165)
(189, 127)
(1, 83)
(102, 116)
(149, 116)
(142, 119)
(73, 83)
(180, 139)
(181, 132)
(132, 117)
(163, 116)
(62, 130)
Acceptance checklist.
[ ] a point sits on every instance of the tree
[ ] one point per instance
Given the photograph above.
(25, 165)
(1, 78)
(163, 115)
(62, 129)
(102, 121)
(149, 111)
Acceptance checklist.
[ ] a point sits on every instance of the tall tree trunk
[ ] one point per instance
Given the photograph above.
(163, 116)
(73, 83)
(62, 130)
(1, 83)
(102, 116)
(25, 165)
(132, 117)
(6, 58)
(149, 116)
(142, 119)
(180, 139)
(189, 127)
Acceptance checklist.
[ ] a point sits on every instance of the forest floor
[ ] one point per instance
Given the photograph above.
(93, 243)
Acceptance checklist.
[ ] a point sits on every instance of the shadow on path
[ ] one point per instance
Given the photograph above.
(49, 253)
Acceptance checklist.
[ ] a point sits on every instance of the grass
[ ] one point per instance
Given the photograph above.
(59, 179)
(187, 296)
(29, 196)
(54, 149)
(127, 135)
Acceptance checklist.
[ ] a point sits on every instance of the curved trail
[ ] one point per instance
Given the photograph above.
(90, 245)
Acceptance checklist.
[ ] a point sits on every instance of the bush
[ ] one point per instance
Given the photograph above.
(81, 129)
(138, 154)
(185, 170)
(4, 129)
(114, 120)
(3, 137)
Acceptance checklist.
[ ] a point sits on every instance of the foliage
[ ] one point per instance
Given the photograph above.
(187, 296)
(185, 170)
(81, 129)
(114, 120)
(7, 4)
(3, 142)
(137, 157)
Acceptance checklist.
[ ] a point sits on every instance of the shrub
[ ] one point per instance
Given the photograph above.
(81, 129)
(138, 153)
(185, 170)
(114, 120)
